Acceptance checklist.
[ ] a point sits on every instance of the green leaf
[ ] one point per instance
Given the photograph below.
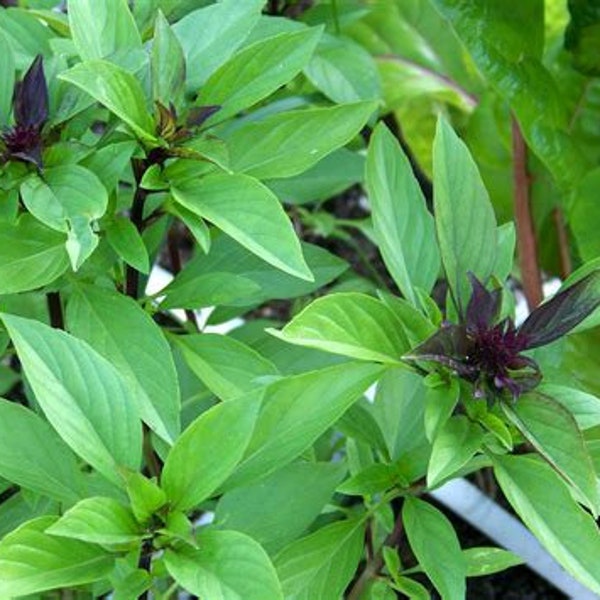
(227, 565)
(582, 38)
(116, 89)
(31, 255)
(209, 36)
(33, 456)
(434, 542)
(191, 473)
(506, 43)
(584, 407)
(196, 225)
(453, 446)
(552, 430)
(403, 225)
(7, 68)
(98, 521)
(111, 163)
(486, 561)
(81, 394)
(568, 532)
(440, 402)
(371, 480)
(584, 215)
(321, 565)
(68, 198)
(294, 414)
(102, 27)
(289, 143)
(465, 221)
(281, 506)
(354, 325)
(125, 335)
(226, 366)
(32, 561)
(257, 71)
(231, 275)
(144, 495)
(344, 71)
(167, 64)
(126, 241)
(249, 212)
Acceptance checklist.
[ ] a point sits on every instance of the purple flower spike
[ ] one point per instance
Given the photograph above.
(488, 354)
(23, 141)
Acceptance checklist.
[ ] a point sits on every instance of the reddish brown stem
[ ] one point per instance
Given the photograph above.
(526, 240)
(563, 243)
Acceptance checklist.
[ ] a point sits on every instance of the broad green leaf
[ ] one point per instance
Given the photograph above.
(125, 335)
(321, 565)
(191, 473)
(434, 543)
(358, 422)
(26, 35)
(81, 394)
(32, 561)
(581, 37)
(277, 509)
(289, 143)
(227, 565)
(102, 27)
(584, 407)
(584, 215)
(98, 521)
(371, 480)
(144, 495)
(127, 242)
(344, 71)
(486, 561)
(31, 255)
(553, 432)
(209, 36)
(116, 89)
(329, 177)
(232, 275)
(505, 41)
(167, 64)
(247, 211)
(111, 162)
(7, 68)
(568, 532)
(403, 225)
(465, 221)
(196, 225)
(226, 366)
(453, 446)
(440, 402)
(33, 456)
(296, 411)
(354, 325)
(257, 71)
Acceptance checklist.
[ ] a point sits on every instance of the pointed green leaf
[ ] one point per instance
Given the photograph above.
(102, 27)
(32, 561)
(584, 407)
(31, 255)
(434, 542)
(226, 366)
(257, 71)
(144, 495)
(167, 63)
(403, 225)
(464, 217)
(127, 242)
(191, 473)
(227, 565)
(81, 394)
(351, 324)
(486, 561)
(98, 521)
(124, 334)
(296, 411)
(281, 506)
(321, 565)
(453, 446)
(289, 143)
(568, 532)
(7, 68)
(116, 89)
(554, 433)
(32, 455)
(248, 211)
